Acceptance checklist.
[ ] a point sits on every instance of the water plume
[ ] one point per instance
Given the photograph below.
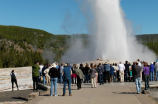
(111, 35)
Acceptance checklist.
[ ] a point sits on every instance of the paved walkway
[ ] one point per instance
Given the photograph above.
(113, 93)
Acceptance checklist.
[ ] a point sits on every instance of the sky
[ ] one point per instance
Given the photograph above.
(66, 17)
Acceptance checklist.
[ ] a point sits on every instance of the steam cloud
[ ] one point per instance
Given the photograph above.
(110, 37)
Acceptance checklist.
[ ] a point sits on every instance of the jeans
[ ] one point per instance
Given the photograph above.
(107, 76)
(61, 78)
(156, 75)
(146, 81)
(138, 84)
(53, 84)
(101, 79)
(127, 76)
(44, 79)
(115, 77)
(35, 83)
(86, 78)
(65, 81)
(152, 76)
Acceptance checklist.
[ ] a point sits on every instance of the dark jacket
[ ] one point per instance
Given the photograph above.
(127, 67)
(100, 70)
(137, 70)
(87, 69)
(111, 70)
(53, 72)
(35, 70)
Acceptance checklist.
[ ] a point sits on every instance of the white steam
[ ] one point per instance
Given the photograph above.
(110, 38)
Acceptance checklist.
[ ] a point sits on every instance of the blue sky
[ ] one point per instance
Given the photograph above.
(65, 16)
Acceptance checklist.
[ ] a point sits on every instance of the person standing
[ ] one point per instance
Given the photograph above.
(67, 79)
(87, 69)
(121, 71)
(146, 71)
(127, 65)
(100, 71)
(43, 74)
(40, 71)
(115, 72)
(61, 70)
(35, 75)
(152, 78)
(156, 70)
(111, 73)
(80, 76)
(93, 75)
(53, 73)
(107, 71)
(138, 78)
(46, 71)
(13, 80)
(133, 71)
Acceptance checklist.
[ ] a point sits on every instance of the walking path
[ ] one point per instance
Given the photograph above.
(112, 93)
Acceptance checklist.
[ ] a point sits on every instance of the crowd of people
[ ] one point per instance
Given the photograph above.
(74, 75)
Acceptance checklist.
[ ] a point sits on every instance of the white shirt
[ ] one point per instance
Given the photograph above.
(139, 64)
(41, 66)
(11, 74)
(121, 67)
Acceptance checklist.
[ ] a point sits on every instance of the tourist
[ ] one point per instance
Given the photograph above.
(95, 67)
(53, 73)
(13, 80)
(139, 63)
(111, 73)
(126, 72)
(83, 70)
(100, 70)
(67, 79)
(35, 75)
(61, 70)
(115, 72)
(74, 76)
(142, 73)
(107, 71)
(87, 69)
(93, 76)
(146, 71)
(40, 72)
(137, 77)
(121, 71)
(43, 74)
(156, 70)
(80, 76)
(152, 72)
(133, 71)
(46, 72)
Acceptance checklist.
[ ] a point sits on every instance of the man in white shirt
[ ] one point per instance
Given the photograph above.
(121, 71)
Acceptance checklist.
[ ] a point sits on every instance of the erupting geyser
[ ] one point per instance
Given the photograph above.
(110, 35)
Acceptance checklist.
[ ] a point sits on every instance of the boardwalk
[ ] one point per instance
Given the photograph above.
(113, 93)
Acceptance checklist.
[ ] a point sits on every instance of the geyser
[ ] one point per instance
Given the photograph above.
(110, 35)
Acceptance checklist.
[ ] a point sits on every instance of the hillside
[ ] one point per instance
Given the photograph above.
(20, 46)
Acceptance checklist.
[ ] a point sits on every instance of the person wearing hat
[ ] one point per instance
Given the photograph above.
(13, 80)
(152, 78)
(156, 70)
(53, 73)
(107, 71)
(67, 79)
(137, 77)
(35, 75)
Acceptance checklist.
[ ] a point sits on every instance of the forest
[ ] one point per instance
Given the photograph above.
(20, 46)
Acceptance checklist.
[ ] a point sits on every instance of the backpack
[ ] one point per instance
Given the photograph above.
(13, 76)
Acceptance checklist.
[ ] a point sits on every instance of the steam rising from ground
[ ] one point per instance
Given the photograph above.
(110, 37)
